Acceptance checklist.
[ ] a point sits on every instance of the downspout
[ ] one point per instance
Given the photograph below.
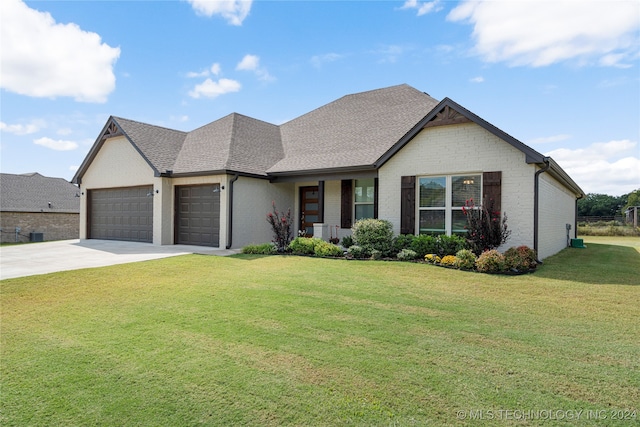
(576, 218)
(230, 211)
(536, 185)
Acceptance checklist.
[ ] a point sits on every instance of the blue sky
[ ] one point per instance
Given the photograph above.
(560, 76)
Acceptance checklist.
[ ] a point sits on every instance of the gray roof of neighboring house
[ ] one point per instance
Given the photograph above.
(33, 192)
(355, 130)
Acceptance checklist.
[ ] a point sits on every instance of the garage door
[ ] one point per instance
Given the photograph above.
(198, 215)
(121, 214)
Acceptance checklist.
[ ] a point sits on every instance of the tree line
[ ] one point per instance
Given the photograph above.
(604, 205)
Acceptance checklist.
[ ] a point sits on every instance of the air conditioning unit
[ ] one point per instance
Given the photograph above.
(36, 237)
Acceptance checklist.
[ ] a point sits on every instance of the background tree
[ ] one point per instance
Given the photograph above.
(601, 205)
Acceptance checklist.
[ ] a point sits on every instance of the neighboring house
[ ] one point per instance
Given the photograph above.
(394, 153)
(38, 208)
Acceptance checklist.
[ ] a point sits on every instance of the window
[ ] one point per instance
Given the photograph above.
(441, 199)
(364, 198)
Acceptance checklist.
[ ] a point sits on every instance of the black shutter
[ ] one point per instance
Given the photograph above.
(346, 203)
(408, 205)
(492, 189)
(375, 198)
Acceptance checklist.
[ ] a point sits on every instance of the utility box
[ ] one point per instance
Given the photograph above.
(577, 243)
(36, 237)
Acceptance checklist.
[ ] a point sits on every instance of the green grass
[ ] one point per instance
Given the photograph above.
(269, 341)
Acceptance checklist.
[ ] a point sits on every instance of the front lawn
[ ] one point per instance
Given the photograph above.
(251, 340)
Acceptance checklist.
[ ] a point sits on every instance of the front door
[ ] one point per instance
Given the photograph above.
(309, 209)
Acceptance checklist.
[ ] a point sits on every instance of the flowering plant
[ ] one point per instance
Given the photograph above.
(432, 258)
(485, 229)
(281, 226)
(448, 261)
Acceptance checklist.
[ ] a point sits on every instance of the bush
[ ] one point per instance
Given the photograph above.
(327, 249)
(304, 245)
(281, 227)
(491, 261)
(520, 259)
(263, 249)
(423, 245)
(358, 251)
(485, 229)
(449, 245)
(374, 234)
(465, 259)
(448, 261)
(347, 242)
(407, 255)
(432, 259)
(376, 254)
(403, 241)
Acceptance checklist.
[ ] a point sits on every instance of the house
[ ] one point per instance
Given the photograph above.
(394, 153)
(37, 208)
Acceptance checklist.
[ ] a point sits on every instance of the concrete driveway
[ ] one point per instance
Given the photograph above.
(49, 257)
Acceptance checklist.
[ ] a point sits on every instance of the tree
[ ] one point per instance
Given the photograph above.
(633, 199)
(600, 205)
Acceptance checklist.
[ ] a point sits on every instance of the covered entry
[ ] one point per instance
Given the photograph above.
(198, 215)
(121, 214)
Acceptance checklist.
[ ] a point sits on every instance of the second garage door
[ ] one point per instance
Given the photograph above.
(198, 215)
(121, 214)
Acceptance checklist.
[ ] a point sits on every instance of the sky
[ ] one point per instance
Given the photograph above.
(561, 76)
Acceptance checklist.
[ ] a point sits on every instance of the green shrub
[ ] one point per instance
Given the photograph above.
(304, 245)
(423, 245)
(262, 249)
(520, 259)
(358, 251)
(450, 245)
(403, 241)
(465, 259)
(374, 234)
(491, 261)
(448, 261)
(376, 254)
(347, 242)
(327, 249)
(407, 255)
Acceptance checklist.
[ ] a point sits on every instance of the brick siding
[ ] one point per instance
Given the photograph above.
(54, 226)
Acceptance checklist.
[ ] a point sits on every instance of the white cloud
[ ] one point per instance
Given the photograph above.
(58, 145)
(215, 69)
(318, 60)
(478, 79)
(64, 131)
(422, 7)
(605, 167)
(540, 33)
(213, 89)
(74, 168)
(252, 63)
(42, 58)
(234, 11)
(21, 129)
(549, 139)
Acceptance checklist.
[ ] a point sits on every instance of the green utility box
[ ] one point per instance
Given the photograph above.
(577, 243)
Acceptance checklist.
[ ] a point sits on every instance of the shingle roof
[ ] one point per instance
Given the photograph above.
(33, 193)
(233, 143)
(355, 130)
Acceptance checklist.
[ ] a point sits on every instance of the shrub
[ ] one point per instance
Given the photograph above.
(403, 241)
(448, 261)
(304, 245)
(347, 241)
(491, 261)
(432, 259)
(449, 245)
(376, 254)
(485, 229)
(358, 251)
(407, 255)
(327, 249)
(374, 234)
(520, 259)
(465, 259)
(263, 249)
(281, 227)
(424, 245)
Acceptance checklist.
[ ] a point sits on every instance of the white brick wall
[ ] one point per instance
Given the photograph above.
(461, 149)
(557, 209)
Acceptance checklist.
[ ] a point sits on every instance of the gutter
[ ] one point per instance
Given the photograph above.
(536, 196)
(230, 211)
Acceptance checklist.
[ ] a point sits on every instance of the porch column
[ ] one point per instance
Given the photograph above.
(321, 201)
